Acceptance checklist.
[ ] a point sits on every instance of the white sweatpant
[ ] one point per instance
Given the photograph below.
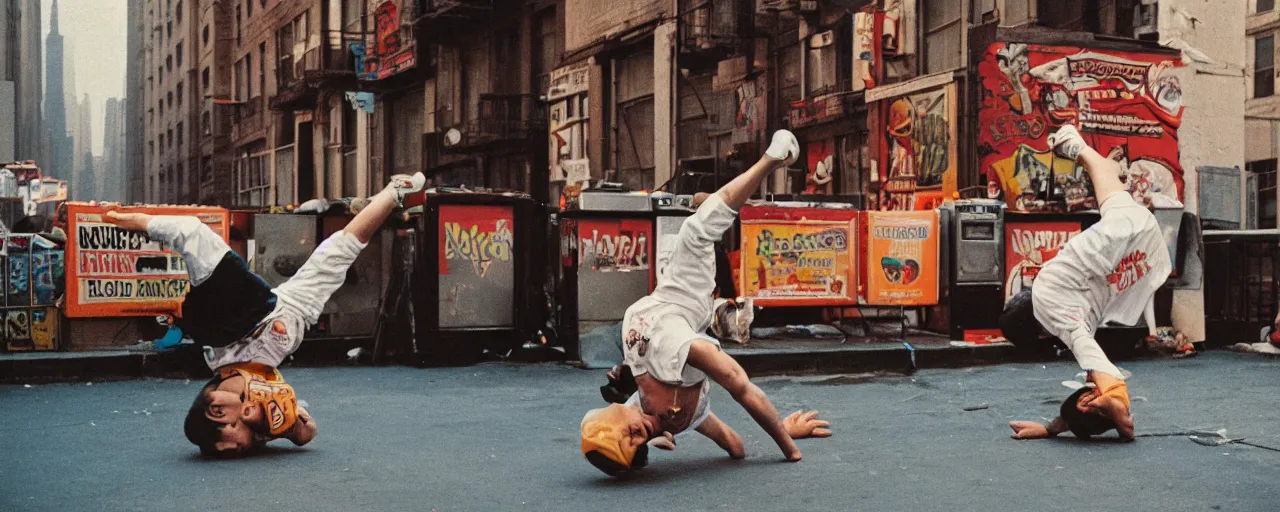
(299, 301)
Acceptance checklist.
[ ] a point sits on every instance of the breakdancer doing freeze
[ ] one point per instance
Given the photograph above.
(248, 328)
(1107, 274)
(670, 358)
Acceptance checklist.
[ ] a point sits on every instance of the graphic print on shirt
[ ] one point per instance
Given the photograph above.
(1130, 270)
(634, 337)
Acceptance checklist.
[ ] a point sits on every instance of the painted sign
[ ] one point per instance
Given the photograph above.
(1028, 246)
(920, 150)
(902, 258)
(797, 259)
(612, 245)
(1127, 106)
(473, 237)
(821, 156)
(115, 272)
(567, 123)
(389, 53)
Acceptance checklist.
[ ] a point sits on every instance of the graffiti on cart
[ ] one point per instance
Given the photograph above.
(479, 245)
(797, 261)
(46, 273)
(17, 325)
(1128, 107)
(1028, 246)
(18, 291)
(614, 244)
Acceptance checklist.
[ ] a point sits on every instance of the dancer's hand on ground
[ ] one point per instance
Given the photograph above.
(1028, 430)
(666, 442)
(801, 425)
(129, 221)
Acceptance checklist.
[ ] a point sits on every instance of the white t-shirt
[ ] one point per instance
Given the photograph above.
(656, 337)
(1108, 273)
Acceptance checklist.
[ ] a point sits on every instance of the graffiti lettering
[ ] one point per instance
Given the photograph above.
(626, 249)
(1028, 241)
(1096, 68)
(109, 238)
(829, 240)
(902, 232)
(142, 289)
(476, 245)
(1010, 126)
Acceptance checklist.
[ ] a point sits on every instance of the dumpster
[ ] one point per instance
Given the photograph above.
(475, 267)
(607, 254)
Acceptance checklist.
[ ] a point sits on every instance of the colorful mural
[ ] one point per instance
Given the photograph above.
(614, 244)
(865, 51)
(798, 256)
(1128, 107)
(1028, 246)
(477, 236)
(919, 150)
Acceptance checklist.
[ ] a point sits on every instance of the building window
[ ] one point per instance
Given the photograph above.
(168, 29)
(262, 68)
(169, 99)
(178, 50)
(169, 137)
(179, 94)
(178, 12)
(206, 123)
(250, 176)
(1266, 5)
(248, 68)
(1264, 66)
(1263, 173)
(633, 114)
(821, 59)
(942, 25)
(238, 34)
(206, 171)
(168, 63)
(204, 79)
(204, 36)
(248, 9)
(160, 74)
(180, 132)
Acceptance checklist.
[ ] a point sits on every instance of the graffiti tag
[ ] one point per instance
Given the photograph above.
(623, 250)
(479, 247)
(829, 240)
(1129, 271)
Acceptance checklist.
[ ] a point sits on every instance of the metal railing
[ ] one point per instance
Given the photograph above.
(504, 117)
(709, 24)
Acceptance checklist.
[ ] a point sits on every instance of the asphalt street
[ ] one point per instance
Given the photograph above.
(504, 437)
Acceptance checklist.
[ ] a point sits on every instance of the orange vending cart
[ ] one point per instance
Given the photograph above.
(799, 256)
(901, 262)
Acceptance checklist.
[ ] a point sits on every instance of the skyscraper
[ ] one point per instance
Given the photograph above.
(111, 172)
(81, 126)
(21, 137)
(55, 107)
(133, 125)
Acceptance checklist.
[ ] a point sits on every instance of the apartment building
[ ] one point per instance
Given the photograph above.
(170, 153)
(1262, 115)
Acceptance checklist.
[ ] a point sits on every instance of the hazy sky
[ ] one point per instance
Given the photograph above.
(95, 30)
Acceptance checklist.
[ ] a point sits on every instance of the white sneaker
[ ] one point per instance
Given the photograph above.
(403, 185)
(784, 147)
(1067, 142)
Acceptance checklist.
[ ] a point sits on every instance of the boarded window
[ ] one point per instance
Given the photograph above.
(634, 140)
(941, 35)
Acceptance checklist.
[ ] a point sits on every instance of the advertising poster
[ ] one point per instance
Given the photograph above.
(116, 272)
(805, 260)
(1128, 107)
(902, 258)
(920, 150)
(1028, 246)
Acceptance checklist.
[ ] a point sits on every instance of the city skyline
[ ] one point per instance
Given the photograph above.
(95, 34)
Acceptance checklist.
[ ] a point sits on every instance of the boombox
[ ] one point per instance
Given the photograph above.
(979, 241)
